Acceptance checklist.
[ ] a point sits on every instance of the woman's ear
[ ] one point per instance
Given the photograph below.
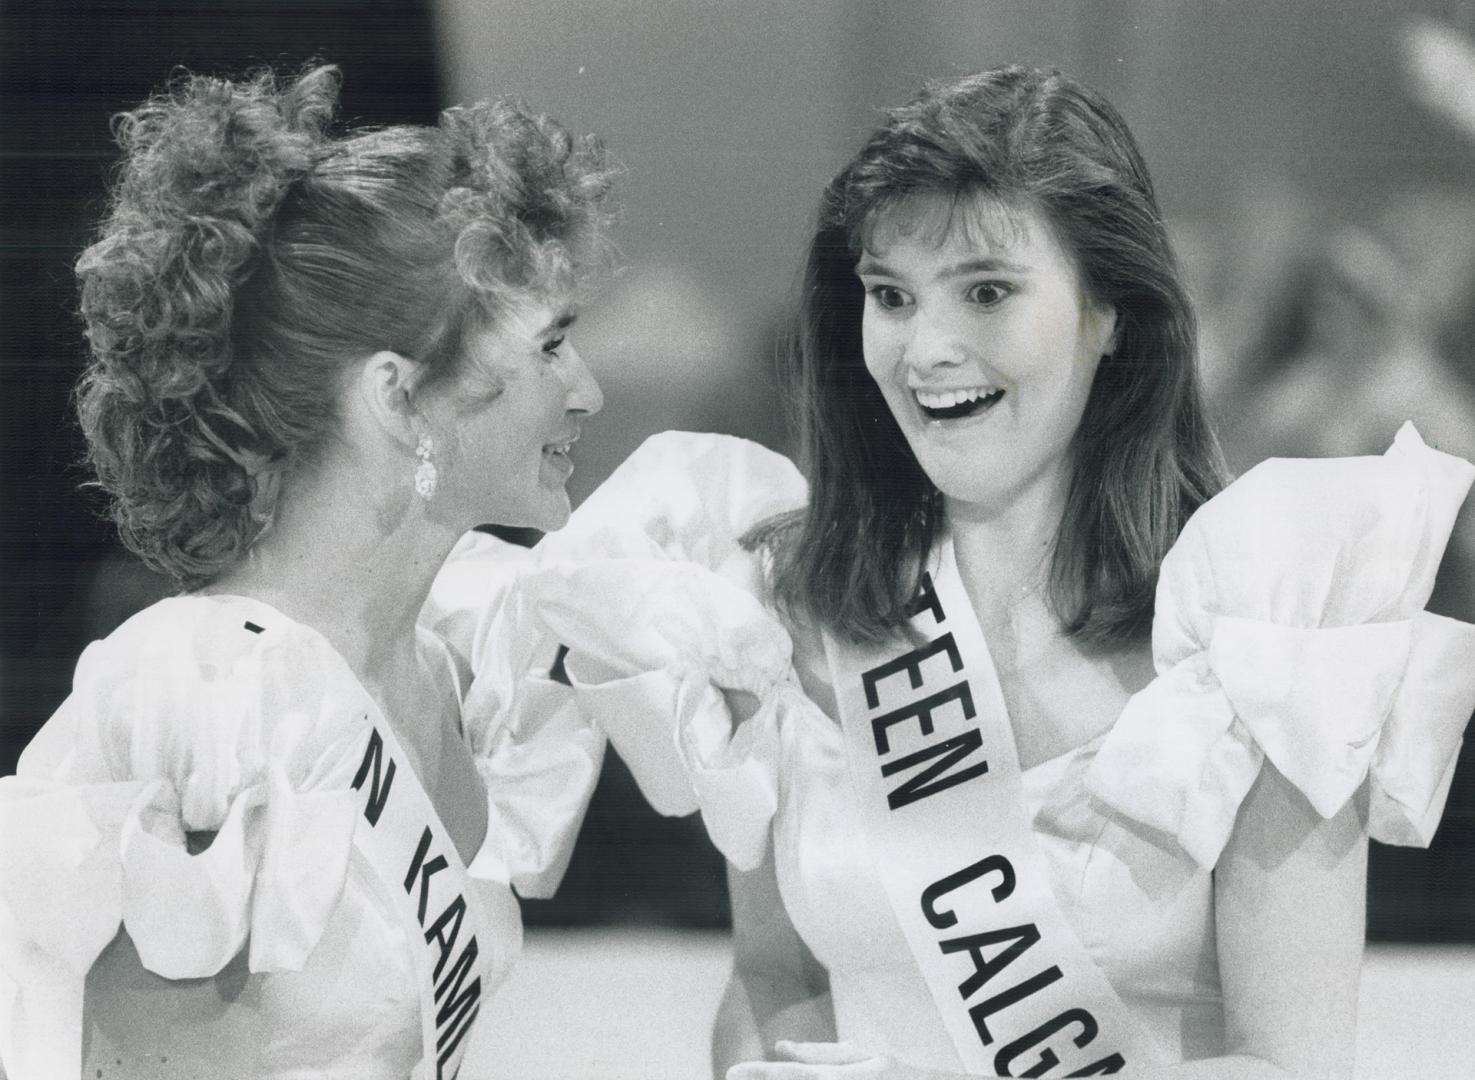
(1103, 324)
(385, 393)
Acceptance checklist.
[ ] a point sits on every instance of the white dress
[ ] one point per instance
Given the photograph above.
(1289, 624)
(220, 714)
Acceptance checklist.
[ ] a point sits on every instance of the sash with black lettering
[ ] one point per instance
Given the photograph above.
(403, 839)
(937, 779)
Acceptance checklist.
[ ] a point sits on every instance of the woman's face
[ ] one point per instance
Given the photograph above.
(983, 343)
(504, 428)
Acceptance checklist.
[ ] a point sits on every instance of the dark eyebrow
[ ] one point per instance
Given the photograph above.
(983, 264)
(868, 265)
(986, 263)
(562, 321)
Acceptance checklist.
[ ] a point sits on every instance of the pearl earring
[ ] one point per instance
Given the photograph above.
(426, 476)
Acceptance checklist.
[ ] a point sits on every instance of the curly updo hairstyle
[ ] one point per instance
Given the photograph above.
(249, 255)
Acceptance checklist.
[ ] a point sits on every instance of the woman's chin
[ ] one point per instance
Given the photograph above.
(549, 515)
(554, 521)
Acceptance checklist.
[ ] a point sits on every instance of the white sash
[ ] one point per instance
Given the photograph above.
(937, 779)
(401, 836)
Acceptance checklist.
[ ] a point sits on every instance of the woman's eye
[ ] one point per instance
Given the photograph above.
(988, 293)
(887, 296)
(552, 345)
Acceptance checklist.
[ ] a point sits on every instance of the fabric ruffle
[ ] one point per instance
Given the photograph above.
(539, 770)
(537, 756)
(652, 592)
(653, 668)
(1290, 625)
(218, 730)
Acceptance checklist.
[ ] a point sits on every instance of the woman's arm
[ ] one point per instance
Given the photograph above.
(1290, 912)
(777, 989)
(138, 1024)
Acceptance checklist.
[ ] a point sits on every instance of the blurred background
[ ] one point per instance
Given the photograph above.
(1316, 162)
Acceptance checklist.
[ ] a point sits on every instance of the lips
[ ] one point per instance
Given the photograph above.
(556, 456)
(955, 403)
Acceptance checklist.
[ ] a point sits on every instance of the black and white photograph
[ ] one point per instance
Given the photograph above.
(679, 539)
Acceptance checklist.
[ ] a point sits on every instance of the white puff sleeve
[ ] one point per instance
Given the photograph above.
(184, 720)
(1290, 624)
(651, 590)
(538, 758)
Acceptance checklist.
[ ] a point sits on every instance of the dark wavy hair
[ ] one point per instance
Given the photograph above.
(249, 255)
(1144, 457)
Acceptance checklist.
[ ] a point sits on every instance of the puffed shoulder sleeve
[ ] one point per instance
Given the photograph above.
(1290, 624)
(538, 757)
(193, 717)
(657, 600)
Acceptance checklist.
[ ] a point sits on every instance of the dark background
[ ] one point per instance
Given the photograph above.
(1326, 219)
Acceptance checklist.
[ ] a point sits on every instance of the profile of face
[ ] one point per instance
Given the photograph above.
(504, 428)
(983, 342)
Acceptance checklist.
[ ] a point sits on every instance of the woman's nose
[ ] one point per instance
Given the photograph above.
(934, 342)
(584, 394)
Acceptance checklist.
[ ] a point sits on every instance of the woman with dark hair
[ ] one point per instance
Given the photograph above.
(1048, 760)
(999, 161)
(274, 829)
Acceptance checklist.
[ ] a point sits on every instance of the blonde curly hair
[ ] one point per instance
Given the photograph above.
(248, 255)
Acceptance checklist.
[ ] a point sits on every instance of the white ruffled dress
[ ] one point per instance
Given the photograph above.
(1289, 625)
(219, 714)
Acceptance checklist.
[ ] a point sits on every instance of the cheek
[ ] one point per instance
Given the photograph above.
(879, 350)
(529, 397)
(1052, 328)
(552, 386)
(1060, 355)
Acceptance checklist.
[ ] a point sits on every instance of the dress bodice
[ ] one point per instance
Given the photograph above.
(1289, 627)
(1143, 911)
(218, 714)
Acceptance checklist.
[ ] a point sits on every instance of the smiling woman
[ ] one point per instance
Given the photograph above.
(275, 828)
(1032, 751)
(984, 346)
(514, 418)
(985, 165)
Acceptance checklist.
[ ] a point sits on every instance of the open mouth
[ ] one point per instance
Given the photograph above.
(957, 404)
(558, 454)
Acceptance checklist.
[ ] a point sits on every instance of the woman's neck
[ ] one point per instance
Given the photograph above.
(1004, 553)
(350, 559)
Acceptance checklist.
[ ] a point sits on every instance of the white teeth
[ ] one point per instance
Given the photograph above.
(947, 399)
(559, 448)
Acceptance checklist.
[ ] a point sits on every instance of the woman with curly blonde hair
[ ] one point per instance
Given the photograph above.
(275, 827)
